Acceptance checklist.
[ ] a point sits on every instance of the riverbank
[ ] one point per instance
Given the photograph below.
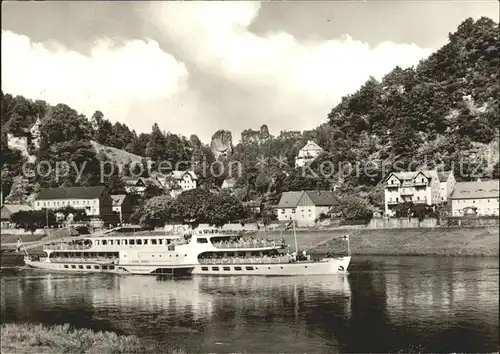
(36, 338)
(474, 241)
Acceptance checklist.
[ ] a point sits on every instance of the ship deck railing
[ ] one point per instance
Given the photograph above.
(250, 260)
(63, 246)
(79, 259)
(247, 244)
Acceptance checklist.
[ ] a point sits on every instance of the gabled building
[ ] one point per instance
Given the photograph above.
(305, 206)
(94, 200)
(8, 209)
(419, 187)
(447, 183)
(179, 181)
(123, 206)
(477, 198)
(228, 184)
(140, 184)
(308, 153)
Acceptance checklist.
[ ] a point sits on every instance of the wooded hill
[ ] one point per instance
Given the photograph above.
(442, 112)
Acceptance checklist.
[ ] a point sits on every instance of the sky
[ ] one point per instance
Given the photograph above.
(196, 67)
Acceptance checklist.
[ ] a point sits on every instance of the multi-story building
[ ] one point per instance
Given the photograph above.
(307, 154)
(181, 181)
(447, 184)
(305, 207)
(94, 200)
(480, 198)
(122, 206)
(140, 184)
(419, 187)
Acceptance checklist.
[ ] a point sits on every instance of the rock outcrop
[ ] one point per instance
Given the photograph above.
(222, 144)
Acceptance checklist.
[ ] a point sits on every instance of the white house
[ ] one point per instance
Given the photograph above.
(140, 184)
(180, 181)
(419, 187)
(228, 184)
(307, 154)
(479, 198)
(305, 207)
(94, 200)
(447, 183)
(123, 206)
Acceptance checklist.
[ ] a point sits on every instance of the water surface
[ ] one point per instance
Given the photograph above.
(385, 304)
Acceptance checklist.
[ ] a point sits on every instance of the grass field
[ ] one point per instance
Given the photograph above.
(477, 241)
(35, 338)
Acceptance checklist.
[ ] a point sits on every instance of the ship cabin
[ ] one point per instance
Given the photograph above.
(107, 247)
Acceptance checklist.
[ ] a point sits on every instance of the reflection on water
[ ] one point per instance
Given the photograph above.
(386, 304)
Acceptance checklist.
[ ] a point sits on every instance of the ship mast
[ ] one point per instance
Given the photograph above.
(295, 237)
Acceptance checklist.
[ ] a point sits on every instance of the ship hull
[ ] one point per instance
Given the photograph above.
(324, 267)
(88, 267)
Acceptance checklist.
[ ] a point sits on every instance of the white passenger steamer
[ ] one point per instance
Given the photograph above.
(167, 254)
(233, 254)
(206, 251)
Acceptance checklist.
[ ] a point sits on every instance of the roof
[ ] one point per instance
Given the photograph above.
(311, 145)
(9, 209)
(71, 193)
(476, 190)
(290, 199)
(228, 183)
(321, 198)
(132, 181)
(180, 174)
(118, 199)
(443, 176)
(408, 175)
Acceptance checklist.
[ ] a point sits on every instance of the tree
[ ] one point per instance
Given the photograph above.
(223, 208)
(191, 206)
(155, 148)
(353, 208)
(33, 219)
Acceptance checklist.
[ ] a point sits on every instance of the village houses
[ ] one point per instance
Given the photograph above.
(180, 181)
(419, 187)
(96, 201)
(304, 207)
(307, 154)
(7, 211)
(122, 206)
(476, 198)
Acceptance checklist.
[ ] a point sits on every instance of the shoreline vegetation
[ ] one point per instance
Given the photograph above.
(38, 338)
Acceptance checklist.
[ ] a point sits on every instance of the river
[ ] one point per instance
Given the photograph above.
(385, 304)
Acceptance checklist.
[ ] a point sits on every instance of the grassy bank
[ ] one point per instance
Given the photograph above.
(477, 241)
(35, 338)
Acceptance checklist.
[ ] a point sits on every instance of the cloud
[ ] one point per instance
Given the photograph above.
(295, 83)
(222, 76)
(121, 80)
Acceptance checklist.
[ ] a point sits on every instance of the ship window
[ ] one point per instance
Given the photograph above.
(237, 268)
(249, 268)
(131, 242)
(73, 266)
(202, 240)
(204, 268)
(153, 241)
(125, 242)
(89, 267)
(215, 268)
(111, 267)
(111, 242)
(66, 266)
(146, 242)
(118, 242)
(96, 267)
(226, 268)
(104, 267)
(139, 242)
(104, 242)
(80, 266)
(97, 242)
(160, 241)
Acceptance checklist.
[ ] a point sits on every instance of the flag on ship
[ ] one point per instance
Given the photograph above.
(345, 237)
(289, 226)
